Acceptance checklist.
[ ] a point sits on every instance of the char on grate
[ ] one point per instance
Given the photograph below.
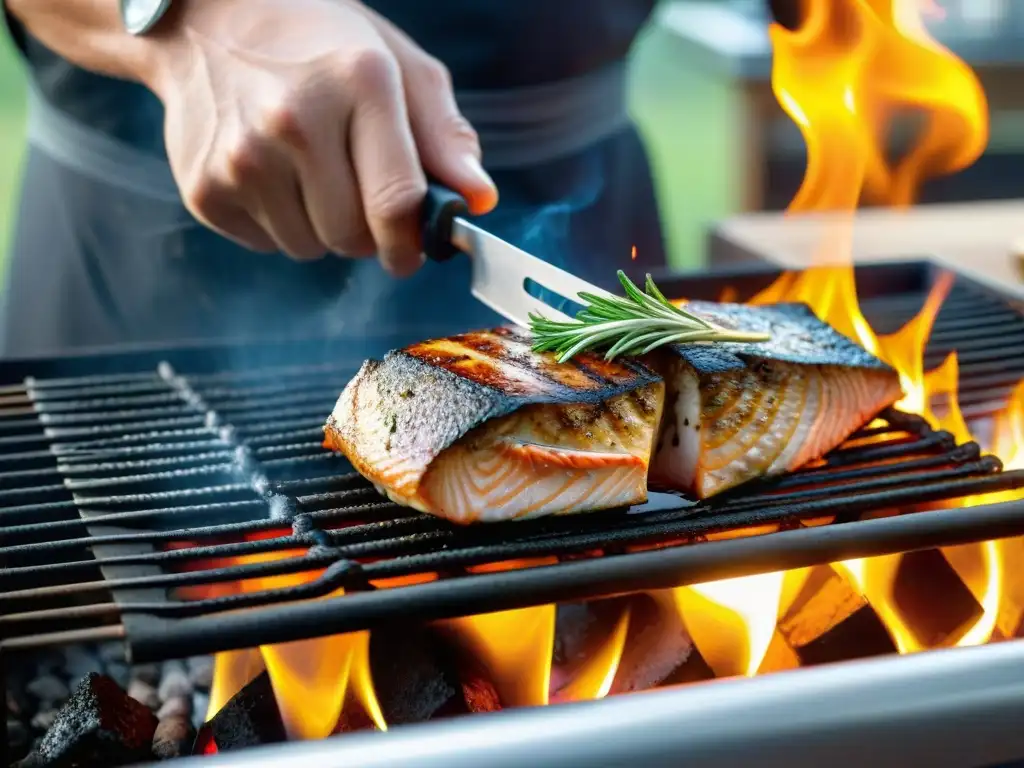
(133, 503)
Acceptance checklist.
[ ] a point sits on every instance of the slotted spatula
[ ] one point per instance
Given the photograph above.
(500, 270)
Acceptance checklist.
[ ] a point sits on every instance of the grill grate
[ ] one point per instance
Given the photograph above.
(125, 495)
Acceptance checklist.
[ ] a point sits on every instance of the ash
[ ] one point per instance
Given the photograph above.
(36, 688)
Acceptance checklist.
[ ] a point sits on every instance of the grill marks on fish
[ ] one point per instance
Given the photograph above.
(480, 427)
(723, 429)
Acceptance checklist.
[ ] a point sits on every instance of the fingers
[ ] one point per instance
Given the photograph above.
(386, 162)
(449, 148)
(332, 199)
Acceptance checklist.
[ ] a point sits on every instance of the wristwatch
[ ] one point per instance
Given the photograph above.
(140, 16)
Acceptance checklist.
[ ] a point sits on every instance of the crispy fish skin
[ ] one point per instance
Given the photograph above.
(478, 427)
(736, 411)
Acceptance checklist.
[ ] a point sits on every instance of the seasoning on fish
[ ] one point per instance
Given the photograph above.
(735, 411)
(480, 428)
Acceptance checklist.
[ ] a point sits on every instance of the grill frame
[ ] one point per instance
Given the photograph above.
(151, 638)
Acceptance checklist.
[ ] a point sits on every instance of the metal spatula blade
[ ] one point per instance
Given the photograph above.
(502, 273)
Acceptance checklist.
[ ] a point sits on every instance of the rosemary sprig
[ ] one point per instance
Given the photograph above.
(634, 325)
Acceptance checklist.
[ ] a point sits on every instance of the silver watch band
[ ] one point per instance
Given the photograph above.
(140, 16)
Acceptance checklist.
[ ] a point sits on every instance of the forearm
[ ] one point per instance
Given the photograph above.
(88, 33)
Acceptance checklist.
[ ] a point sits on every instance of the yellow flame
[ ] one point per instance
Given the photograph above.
(595, 679)
(732, 621)
(310, 678)
(232, 671)
(843, 76)
(514, 648)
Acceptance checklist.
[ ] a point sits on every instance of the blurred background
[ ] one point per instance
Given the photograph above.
(720, 145)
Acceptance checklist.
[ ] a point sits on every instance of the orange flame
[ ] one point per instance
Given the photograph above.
(310, 678)
(842, 76)
(732, 621)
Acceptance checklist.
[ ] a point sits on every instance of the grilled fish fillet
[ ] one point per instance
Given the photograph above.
(479, 428)
(735, 412)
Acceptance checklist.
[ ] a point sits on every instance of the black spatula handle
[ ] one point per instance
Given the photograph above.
(440, 208)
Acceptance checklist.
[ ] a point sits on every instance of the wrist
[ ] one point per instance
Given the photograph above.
(162, 47)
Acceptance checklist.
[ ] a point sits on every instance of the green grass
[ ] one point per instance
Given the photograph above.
(12, 140)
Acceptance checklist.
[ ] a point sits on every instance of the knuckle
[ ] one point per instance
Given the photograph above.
(435, 74)
(371, 71)
(283, 121)
(457, 127)
(395, 201)
(242, 162)
(202, 198)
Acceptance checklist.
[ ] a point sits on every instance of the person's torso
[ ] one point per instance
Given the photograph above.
(487, 46)
(106, 259)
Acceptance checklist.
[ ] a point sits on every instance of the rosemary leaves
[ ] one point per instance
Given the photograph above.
(632, 325)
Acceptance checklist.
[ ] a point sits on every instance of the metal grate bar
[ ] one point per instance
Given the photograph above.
(138, 502)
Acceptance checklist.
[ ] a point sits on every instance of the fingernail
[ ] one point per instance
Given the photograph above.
(474, 168)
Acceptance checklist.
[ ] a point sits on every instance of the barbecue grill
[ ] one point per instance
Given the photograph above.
(126, 477)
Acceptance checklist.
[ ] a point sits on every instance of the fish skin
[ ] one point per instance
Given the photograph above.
(796, 336)
(400, 414)
(738, 411)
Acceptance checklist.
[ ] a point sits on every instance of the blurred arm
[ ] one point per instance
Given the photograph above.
(89, 33)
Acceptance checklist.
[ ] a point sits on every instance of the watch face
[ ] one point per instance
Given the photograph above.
(140, 15)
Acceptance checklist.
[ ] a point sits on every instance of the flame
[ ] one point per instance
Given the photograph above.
(632, 253)
(732, 621)
(842, 75)
(595, 679)
(514, 648)
(310, 678)
(232, 671)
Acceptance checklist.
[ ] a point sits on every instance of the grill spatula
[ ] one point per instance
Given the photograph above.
(500, 270)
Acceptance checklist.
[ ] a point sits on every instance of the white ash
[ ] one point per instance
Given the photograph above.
(42, 684)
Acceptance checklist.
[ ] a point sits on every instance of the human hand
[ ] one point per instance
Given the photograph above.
(307, 126)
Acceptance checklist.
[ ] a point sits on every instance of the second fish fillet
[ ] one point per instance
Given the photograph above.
(734, 412)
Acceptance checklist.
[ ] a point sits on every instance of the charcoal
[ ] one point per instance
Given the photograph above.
(99, 725)
(830, 621)
(111, 653)
(412, 675)
(174, 682)
(935, 603)
(147, 673)
(200, 704)
(860, 635)
(49, 689)
(17, 736)
(79, 662)
(249, 719)
(573, 622)
(119, 672)
(177, 706)
(44, 719)
(200, 672)
(693, 670)
(144, 694)
(174, 737)
(657, 643)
